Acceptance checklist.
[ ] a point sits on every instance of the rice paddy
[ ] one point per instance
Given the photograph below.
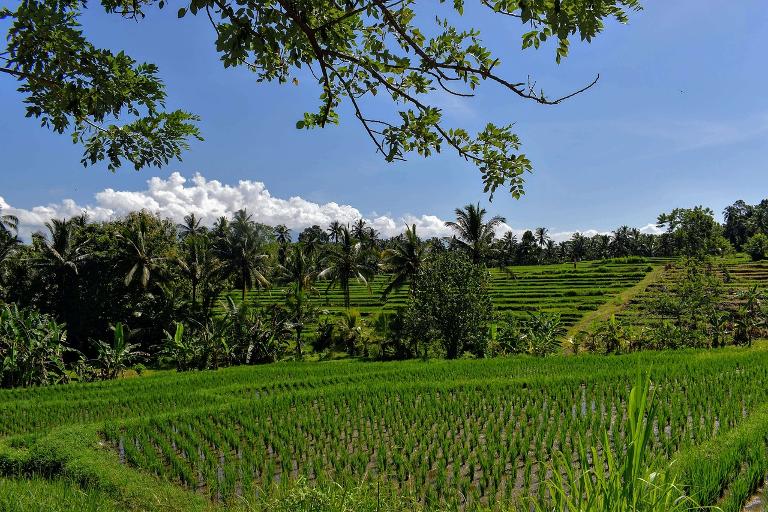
(558, 288)
(460, 434)
(737, 274)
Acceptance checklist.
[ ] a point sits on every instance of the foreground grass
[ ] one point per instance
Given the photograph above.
(447, 434)
(40, 495)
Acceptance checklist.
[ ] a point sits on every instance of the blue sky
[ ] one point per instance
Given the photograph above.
(679, 118)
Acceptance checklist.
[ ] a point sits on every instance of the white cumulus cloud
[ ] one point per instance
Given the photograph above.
(176, 196)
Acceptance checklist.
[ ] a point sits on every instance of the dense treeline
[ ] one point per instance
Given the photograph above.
(103, 296)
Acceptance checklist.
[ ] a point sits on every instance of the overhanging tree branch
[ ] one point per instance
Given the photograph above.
(353, 48)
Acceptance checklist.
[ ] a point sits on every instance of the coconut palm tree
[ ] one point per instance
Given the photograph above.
(283, 238)
(191, 226)
(143, 256)
(371, 237)
(241, 253)
(9, 225)
(601, 245)
(282, 234)
(346, 261)
(334, 231)
(220, 227)
(473, 234)
(635, 241)
(9, 231)
(542, 237)
(359, 229)
(197, 262)
(578, 248)
(63, 253)
(7, 244)
(508, 248)
(404, 260)
(313, 238)
(299, 271)
(621, 241)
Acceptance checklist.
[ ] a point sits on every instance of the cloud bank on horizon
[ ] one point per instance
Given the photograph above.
(177, 196)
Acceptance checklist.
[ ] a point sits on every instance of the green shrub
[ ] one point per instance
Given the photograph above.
(537, 335)
(451, 303)
(31, 348)
(757, 247)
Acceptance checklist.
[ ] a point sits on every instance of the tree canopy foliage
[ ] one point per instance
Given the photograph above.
(742, 221)
(452, 304)
(354, 49)
(695, 230)
(152, 275)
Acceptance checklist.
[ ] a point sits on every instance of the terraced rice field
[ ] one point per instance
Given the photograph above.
(563, 289)
(460, 434)
(738, 272)
(555, 288)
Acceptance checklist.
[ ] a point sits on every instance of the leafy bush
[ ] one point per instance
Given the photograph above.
(542, 333)
(352, 334)
(181, 350)
(396, 338)
(538, 335)
(242, 335)
(451, 304)
(750, 316)
(31, 348)
(113, 359)
(757, 247)
(325, 334)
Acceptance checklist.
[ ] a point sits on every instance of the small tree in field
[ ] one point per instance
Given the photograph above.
(451, 304)
(695, 232)
(757, 247)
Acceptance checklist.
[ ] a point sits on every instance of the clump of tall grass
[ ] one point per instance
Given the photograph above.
(603, 480)
(331, 497)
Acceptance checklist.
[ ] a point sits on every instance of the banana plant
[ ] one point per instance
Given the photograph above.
(113, 359)
(31, 348)
(182, 350)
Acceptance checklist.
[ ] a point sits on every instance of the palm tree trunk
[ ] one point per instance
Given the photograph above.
(299, 352)
(345, 291)
(243, 278)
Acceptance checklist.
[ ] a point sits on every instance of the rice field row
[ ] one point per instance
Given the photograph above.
(486, 442)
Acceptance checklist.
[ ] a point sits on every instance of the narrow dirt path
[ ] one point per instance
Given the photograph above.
(617, 302)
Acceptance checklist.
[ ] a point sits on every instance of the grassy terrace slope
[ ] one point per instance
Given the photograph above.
(739, 274)
(556, 288)
(450, 433)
